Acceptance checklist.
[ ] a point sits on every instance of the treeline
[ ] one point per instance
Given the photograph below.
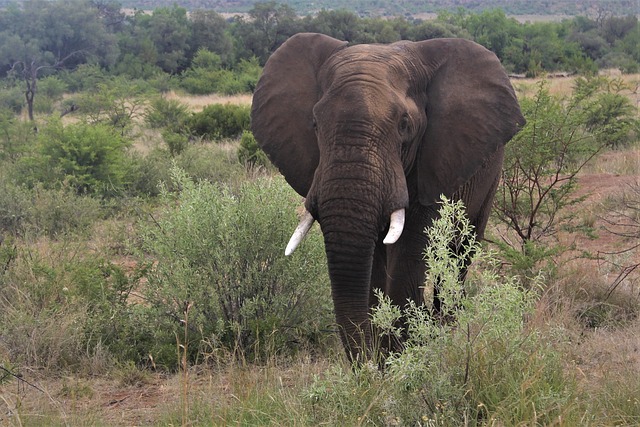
(409, 7)
(204, 52)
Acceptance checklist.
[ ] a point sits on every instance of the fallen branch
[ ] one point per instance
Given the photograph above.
(8, 373)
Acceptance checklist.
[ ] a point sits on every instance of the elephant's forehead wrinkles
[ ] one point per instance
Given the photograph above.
(379, 65)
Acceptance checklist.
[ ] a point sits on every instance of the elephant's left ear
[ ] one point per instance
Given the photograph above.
(471, 111)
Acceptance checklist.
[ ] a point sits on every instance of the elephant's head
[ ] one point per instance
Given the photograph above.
(365, 132)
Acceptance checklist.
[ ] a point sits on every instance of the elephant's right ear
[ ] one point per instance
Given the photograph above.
(282, 110)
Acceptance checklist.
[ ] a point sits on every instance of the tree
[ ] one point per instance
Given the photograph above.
(542, 163)
(42, 37)
(270, 24)
(209, 31)
(436, 29)
(493, 30)
(340, 24)
(138, 53)
(169, 30)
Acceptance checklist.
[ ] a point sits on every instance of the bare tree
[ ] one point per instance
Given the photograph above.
(30, 71)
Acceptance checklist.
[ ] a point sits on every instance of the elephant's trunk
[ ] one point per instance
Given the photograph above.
(355, 190)
(349, 245)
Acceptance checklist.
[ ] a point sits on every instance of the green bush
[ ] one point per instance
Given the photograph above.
(249, 153)
(211, 163)
(219, 121)
(620, 60)
(116, 102)
(50, 91)
(89, 158)
(86, 77)
(16, 137)
(148, 171)
(220, 253)
(14, 206)
(12, 99)
(167, 113)
(171, 117)
(486, 367)
(206, 75)
(63, 307)
(176, 142)
(608, 114)
(52, 87)
(203, 162)
(50, 212)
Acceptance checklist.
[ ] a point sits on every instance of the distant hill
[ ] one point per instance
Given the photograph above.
(412, 7)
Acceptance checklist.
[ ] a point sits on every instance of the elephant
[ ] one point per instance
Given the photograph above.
(371, 135)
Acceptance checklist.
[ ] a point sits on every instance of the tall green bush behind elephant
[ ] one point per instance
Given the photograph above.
(372, 135)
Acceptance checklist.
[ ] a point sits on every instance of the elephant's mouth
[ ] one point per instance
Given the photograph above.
(396, 225)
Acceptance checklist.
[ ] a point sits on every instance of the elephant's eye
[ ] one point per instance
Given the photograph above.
(403, 126)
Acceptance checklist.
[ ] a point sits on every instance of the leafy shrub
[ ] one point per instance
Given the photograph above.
(16, 137)
(487, 366)
(212, 163)
(52, 87)
(176, 142)
(242, 79)
(12, 99)
(206, 75)
(115, 102)
(41, 211)
(86, 77)
(203, 162)
(219, 121)
(249, 152)
(620, 60)
(148, 171)
(42, 322)
(59, 211)
(89, 158)
(167, 113)
(608, 114)
(222, 256)
(171, 116)
(14, 206)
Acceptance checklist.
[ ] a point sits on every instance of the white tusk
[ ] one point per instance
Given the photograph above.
(395, 228)
(301, 230)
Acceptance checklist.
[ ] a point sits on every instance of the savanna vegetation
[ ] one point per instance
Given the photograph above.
(142, 233)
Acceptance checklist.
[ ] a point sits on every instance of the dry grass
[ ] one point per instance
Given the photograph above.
(229, 395)
(564, 85)
(198, 102)
(618, 162)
